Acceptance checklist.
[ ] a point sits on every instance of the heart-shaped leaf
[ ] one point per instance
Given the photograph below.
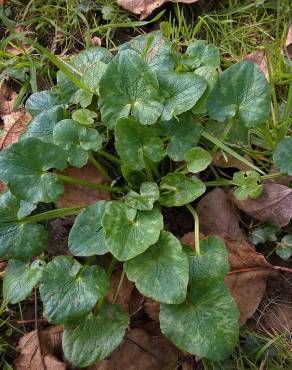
(86, 237)
(19, 280)
(149, 194)
(284, 248)
(198, 159)
(92, 76)
(181, 92)
(135, 142)
(69, 290)
(129, 86)
(206, 324)
(18, 239)
(84, 116)
(177, 189)
(249, 185)
(201, 54)
(42, 101)
(76, 140)
(87, 58)
(129, 232)
(23, 167)
(283, 155)
(162, 272)
(97, 334)
(243, 92)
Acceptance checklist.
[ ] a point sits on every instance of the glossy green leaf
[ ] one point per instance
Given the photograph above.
(19, 280)
(206, 324)
(184, 134)
(135, 142)
(87, 58)
(241, 91)
(237, 135)
(42, 101)
(181, 92)
(129, 232)
(129, 86)
(162, 272)
(248, 184)
(200, 54)
(25, 209)
(66, 88)
(69, 290)
(18, 239)
(210, 74)
(76, 140)
(283, 155)
(97, 335)
(86, 237)
(24, 166)
(177, 189)
(159, 53)
(198, 159)
(84, 116)
(149, 194)
(93, 74)
(42, 125)
(284, 248)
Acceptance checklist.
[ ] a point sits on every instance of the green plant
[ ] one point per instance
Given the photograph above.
(146, 111)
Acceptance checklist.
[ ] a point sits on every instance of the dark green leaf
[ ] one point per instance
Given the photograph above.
(198, 159)
(283, 155)
(42, 101)
(134, 178)
(201, 54)
(87, 58)
(69, 290)
(92, 76)
(149, 194)
(129, 232)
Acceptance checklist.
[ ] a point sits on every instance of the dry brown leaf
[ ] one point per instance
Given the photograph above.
(258, 57)
(125, 292)
(78, 195)
(30, 357)
(288, 44)
(228, 161)
(146, 7)
(141, 351)
(247, 277)
(274, 206)
(218, 215)
(7, 99)
(17, 48)
(152, 308)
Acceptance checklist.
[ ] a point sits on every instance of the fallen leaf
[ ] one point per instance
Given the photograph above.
(217, 215)
(228, 161)
(258, 57)
(17, 48)
(248, 274)
(146, 7)
(274, 206)
(125, 292)
(152, 308)
(78, 195)
(30, 357)
(140, 351)
(7, 99)
(288, 43)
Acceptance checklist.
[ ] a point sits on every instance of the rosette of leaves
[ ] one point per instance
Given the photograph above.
(136, 117)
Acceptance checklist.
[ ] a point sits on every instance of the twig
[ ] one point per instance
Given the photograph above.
(247, 269)
(37, 329)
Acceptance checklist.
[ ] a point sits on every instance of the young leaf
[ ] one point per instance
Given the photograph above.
(84, 116)
(135, 142)
(144, 201)
(206, 324)
(198, 159)
(86, 237)
(261, 235)
(283, 155)
(249, 184)
(184, 134)
(42, 101)
(201, 54)
(69, 290)
(129, 232)
(97, 335)
(23, 167)
(243, 92)
(42, 125)
(19, 280)
(18, 239)
(181, 92)
(76, 140)
(129, 87)
(162, 272)
(284, 249)
(177, 189)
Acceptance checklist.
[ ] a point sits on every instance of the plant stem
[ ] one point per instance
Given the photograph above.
(119, 286)
(73, 180)
(56, 213)
(111, 266)
(197, 228)
(110, 157)
(223, 136)
(99, 167)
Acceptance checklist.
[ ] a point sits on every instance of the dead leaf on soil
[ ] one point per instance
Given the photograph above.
(125, 292)
(218, 215)
(146, 7)
(7, 99)
(274, 206)
(140, 351)
(30, 355)
(78, 195)
(258, 57)
(288, 44)
(228, 161)
(17, 48)
(152, 308)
